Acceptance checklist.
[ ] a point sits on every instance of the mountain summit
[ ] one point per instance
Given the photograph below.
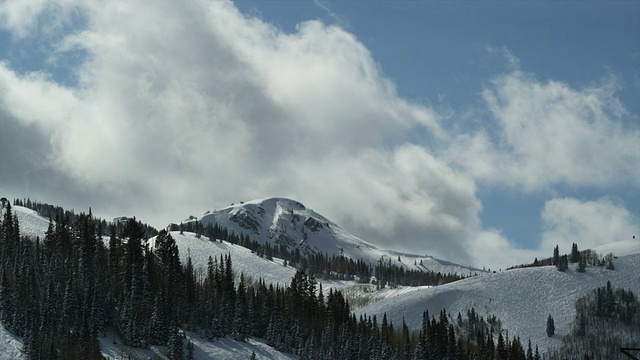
(289, 223)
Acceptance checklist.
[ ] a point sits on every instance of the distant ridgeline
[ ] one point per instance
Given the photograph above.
(61, 293)
(321, 265)
(57, 213)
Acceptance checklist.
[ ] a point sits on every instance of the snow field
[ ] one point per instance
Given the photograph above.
(223, 349)
(242, 259)
(10, 345)
(521, 298)
(31, 224)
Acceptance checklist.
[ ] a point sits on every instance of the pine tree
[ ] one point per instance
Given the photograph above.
(175, 345)
(582, 265)
(529, 351)
(556, 256)
(240, 319)
(563, 264)
(575, 254)
(501, 349)
(551, 327)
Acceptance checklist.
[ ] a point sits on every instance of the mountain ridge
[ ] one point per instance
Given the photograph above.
(282, 221)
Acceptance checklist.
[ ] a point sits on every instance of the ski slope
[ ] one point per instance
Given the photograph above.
(620, 248)
(31, 224)
(242, 259)
(521, 298)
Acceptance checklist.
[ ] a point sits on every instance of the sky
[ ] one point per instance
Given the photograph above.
(483, 133)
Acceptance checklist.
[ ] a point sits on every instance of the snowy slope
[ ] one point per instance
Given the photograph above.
(288, 222)
(521, 298)
(203, 349)
(620, 248)
(31, 224)
(10, 345)
(243, 260)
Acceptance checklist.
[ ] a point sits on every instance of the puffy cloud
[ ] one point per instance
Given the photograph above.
(547, 133)
(182, 107)
(491, 248)
(405, 198)
(587, 223)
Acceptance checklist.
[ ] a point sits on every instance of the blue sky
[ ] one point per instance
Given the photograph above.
(480, 132)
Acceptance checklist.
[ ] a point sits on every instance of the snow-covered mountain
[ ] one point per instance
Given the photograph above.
(290, 223)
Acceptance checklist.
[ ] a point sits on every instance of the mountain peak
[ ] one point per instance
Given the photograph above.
(289, 223)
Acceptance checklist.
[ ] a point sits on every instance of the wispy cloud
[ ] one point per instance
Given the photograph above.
(335, 17)
(549, 134)
(512, 61)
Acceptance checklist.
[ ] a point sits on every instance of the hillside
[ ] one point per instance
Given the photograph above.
(521, 298)
(31, 224)
(244, 261)
(290, 223)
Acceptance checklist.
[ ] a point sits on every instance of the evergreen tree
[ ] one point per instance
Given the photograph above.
(175, 345)
(575, 254)
(529, 351)
(551, 327)
(501, 349)
(563, 265)
(556, 256)
(6, 301)
(582, 265)
(240, 320)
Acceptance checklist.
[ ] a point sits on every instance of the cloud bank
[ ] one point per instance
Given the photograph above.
(178, 108)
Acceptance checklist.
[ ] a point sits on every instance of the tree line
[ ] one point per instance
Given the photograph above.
(584, 259)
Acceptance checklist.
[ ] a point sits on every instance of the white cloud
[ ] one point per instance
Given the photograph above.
(182, 107)
(491, 248)
(587, 223)
(403, 197)
(548, 134)
(43, 19)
